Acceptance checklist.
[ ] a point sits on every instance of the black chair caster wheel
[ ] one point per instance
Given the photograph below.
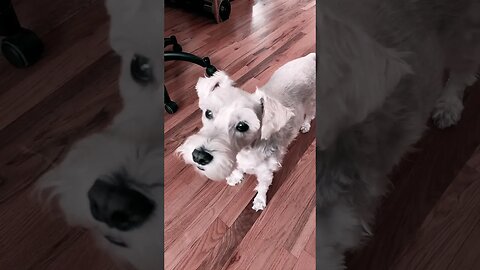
(177, 48)
(23, 49)
(171, 107)
(224, 10)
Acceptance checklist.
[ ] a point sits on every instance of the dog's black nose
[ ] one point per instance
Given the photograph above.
(118, 206)
(201, 157)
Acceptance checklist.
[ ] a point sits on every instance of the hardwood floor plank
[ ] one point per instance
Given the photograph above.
(474, 161)
(467, 256)
(240, 202)
(221, 255)
(201, 248)
(177, 203)
(183, 219)
(305, 262)
(310, 247)
(31, 232)
(282, 260)
(302, 231)
(79, 256)
(440, 242)
(177, 241)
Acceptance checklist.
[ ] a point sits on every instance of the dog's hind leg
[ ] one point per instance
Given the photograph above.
(463, 60)
(448, 108)
(309, 116)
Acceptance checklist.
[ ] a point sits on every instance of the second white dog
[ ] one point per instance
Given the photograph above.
(249, 132)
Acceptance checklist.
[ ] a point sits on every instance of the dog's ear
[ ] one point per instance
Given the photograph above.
(206, 85)
(357, 74)
(275, 115)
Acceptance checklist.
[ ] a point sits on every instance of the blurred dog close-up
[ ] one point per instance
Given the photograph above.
(381, 66)
(110, 182)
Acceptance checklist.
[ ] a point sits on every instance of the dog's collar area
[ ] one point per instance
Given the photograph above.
(115, 241)
(269, 150)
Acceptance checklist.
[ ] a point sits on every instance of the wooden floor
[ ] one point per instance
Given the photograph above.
(449, 237)
(210, 225)
(430, 220)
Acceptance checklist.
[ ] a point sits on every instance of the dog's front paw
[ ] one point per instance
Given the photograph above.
(259, 203)
(447, 112)
(235, 178)
(305, 128)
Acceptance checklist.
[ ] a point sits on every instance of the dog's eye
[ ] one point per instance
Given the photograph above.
(209, 114)
(216, 85)
(242, 126)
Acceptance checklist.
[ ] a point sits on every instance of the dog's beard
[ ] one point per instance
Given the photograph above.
(223, 151)
(219, 169)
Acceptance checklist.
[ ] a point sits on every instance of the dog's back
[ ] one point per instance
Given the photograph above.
(294, 82)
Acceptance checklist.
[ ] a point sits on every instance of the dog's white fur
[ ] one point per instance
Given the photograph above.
(380, 66)
(275, 114)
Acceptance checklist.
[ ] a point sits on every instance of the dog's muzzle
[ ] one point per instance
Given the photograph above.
(201, 157)
(119, 206)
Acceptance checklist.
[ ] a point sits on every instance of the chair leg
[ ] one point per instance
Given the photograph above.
(21, 47)
(9, 24)
(172, 40)
(170, 106)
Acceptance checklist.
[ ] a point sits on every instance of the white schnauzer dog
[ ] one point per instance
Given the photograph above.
(249, 132)
(381, 65)
(111, 182)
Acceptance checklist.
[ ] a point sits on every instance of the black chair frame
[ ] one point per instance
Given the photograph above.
(142, 72)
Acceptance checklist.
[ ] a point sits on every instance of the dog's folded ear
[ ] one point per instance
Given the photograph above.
(207, 85)
(275, 115)
(356, 73)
